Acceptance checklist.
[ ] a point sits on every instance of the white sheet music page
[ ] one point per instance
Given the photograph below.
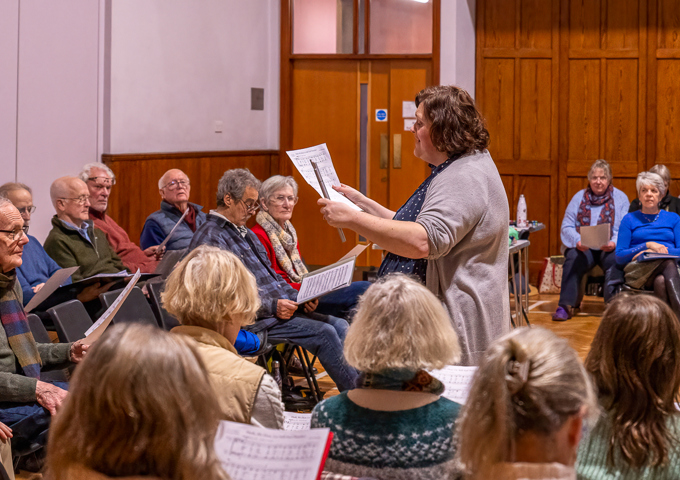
(252, 453)
(54, 282)
(321, 156)
(297, 421)
(457, 381)
(326, 279)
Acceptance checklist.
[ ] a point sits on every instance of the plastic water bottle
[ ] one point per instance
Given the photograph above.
(522, 212)
(276, 373)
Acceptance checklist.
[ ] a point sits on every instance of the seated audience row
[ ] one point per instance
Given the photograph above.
(652, 225)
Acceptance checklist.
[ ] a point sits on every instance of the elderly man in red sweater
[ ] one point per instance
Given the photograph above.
(99, 179)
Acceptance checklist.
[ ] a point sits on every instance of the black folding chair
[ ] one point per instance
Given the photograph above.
(71, 320)
(40, 335)
(135, 308)
(165, 320)
(290, 348)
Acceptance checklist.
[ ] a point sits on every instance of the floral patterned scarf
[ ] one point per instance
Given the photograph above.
(285, 243)
(607, 214)
(402, 380)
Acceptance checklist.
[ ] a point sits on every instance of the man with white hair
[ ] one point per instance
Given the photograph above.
(174, 188)
(99, 179)
(27, 402)
(73, 240)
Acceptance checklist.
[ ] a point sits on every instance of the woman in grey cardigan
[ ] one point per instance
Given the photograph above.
(452, 232)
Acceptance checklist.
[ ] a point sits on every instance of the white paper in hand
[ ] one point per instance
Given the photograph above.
(319, 154)
(54, 282)
(95, 331)
(457, 381)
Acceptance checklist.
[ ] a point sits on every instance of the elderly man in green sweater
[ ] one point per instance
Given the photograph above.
(26, 401)
(73, 240)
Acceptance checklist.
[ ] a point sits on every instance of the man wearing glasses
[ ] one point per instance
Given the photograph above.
(175, 189)
(99, 180)
(73, 240)
(37, 266)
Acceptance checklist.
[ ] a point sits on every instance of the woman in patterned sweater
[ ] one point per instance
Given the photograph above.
(635, 362)
(395, 425)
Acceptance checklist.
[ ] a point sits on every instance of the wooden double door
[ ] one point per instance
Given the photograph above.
(336, 102)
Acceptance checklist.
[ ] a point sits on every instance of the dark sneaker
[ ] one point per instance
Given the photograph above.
(561, 314)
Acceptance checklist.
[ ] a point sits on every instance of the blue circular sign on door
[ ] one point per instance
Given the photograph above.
(381, 115)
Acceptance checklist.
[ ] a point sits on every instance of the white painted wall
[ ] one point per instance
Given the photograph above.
(178, 66)
(49, 64)
(458, 44)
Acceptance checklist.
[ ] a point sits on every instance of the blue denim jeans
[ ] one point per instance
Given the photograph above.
(576, 265)
(29, 423)
(323, 336)
(343, 301)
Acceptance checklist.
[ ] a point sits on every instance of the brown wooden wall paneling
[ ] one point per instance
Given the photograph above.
(565, 82)
(136, 195)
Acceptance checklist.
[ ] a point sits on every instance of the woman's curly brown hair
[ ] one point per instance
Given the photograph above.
(457, 126)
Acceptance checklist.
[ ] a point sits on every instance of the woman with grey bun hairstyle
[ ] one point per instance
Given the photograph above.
(524, 416)
(668, 202)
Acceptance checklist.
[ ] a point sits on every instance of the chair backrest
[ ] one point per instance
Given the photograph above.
(165, 320)
(41, 336)
(70, 320)
(135, 308)
(38, 330)
(168, 262)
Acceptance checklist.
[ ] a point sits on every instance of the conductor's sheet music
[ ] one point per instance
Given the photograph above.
(320, 155)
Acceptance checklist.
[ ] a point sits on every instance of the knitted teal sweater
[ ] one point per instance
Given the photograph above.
(592, 461)
(409, 444)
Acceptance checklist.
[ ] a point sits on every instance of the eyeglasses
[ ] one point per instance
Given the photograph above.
(29, 210)
(16, 234)
(175, 184)
(251, 207)
(281, 199)
(81, 200)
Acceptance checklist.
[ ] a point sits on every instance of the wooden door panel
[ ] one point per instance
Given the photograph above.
(534, 189)
(325, 99)
(499, 19)
(535, 132)
(668, 112)
(621, 105)
(584, 109)
(497, 105)
(621, 27)
(669, 24)
(584, 24)
(535, 24)
(407, 78)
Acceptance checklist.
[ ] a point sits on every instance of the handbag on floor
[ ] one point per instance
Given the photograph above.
(550, 276)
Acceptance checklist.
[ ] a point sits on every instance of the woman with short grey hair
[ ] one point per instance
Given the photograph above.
(668, 202)
(278, 197)
(653, 230)
(599, 203)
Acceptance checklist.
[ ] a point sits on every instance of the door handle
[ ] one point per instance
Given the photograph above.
(384, 150)
(396, 143)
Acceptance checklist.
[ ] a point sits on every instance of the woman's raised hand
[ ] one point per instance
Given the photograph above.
(354, 195)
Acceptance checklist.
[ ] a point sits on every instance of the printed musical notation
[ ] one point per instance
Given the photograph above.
(296, 421)
(457, 381)
(320, 155)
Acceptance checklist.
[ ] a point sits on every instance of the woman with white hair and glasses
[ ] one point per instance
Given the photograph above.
(600, 203)
(395, 425)
(668, 202)
(524, 416)
(651, 229)
(278, 197)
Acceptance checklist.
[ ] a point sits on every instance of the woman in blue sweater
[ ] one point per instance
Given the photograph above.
(651, 229)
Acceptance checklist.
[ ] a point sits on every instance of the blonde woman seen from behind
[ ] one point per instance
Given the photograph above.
(213, 295)
(395, 425)
(523, 417)
(140, 406)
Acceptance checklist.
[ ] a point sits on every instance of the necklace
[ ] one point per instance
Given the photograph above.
(647, 216)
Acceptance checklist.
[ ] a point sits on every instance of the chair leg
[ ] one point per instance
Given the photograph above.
(311, 379)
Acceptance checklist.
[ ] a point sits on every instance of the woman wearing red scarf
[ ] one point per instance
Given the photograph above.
(600, 203)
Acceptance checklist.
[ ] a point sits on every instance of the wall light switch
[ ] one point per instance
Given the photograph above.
(257, 98)
(219, 126)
